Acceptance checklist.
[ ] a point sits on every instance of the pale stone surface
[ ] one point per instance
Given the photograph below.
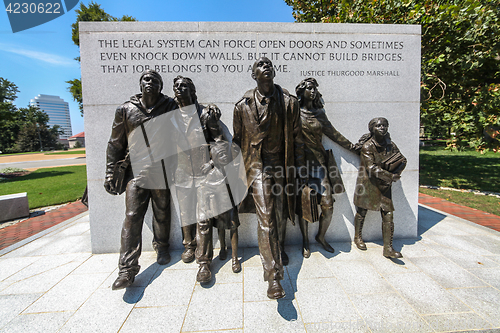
(14, 206)
(157, 319)
(58, 298)
(364, 295)
(388, 312)
(364, 71)
(272, 316)
(359, 277)
(40, 322)
(212, 309)
(424, 294)
(323, 301)
(484, 301)
(456, 322)
(12, 305)
(447, 273)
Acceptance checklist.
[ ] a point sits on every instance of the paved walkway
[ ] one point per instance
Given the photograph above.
(486, 219)
(33, 162)
(29, 227)
(448, 280)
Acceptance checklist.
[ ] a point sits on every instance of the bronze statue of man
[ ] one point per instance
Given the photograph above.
(266, 127)
(131, 116)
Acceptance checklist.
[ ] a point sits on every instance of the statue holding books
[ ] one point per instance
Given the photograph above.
(381, 165)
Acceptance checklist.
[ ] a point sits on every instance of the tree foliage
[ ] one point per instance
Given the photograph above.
(91, 13)
(8, 91)
(19, 128)
(460, 83)
(34, 132)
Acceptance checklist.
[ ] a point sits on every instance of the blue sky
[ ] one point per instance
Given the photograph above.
(39, 60)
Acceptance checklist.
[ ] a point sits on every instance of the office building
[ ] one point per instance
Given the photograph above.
(58, 111)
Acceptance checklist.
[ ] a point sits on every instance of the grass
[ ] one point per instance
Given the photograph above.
(48, 186)
(69, 152)
(488, 204)
(29, 152)
(464, 169)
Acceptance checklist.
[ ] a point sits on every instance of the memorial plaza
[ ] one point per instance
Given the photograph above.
(447, 281)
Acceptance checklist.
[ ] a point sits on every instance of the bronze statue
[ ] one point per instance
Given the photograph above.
(266, 126)
(185, 96)
(130, 116)
(322, 171)
(220, 155)
(199, 180)
(381, 165)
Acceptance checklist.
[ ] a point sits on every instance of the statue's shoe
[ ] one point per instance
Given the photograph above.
(124, 280)
(275, 290)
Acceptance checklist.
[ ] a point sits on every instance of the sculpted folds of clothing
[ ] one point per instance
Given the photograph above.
(204, 194)
(314, 124)
(249, 136)
(192, 147)
(128, 117)
(373, 186)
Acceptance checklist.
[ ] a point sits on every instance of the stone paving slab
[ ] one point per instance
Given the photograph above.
(448, 280)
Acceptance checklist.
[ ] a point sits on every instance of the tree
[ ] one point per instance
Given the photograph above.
(92, 13)
(460, 57)
(23, 129)
(8, 92)
(34, 132)
(8, 135)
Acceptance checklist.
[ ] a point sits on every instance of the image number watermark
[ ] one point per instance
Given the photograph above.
(25, 15)
(40, 8)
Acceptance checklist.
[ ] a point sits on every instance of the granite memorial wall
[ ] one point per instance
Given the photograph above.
(364, 71)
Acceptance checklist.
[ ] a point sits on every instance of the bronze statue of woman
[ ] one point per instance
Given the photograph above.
(322, 173)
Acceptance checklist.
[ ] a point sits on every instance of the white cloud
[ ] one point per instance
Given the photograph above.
(41, 56)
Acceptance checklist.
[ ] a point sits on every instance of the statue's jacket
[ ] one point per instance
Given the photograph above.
(128, 117)
(249, 134)
(314, 124)
(374, 183)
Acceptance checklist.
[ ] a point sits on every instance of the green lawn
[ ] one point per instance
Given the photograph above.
(48, 186)
(69, 152)
(29, 152)
(465, 169)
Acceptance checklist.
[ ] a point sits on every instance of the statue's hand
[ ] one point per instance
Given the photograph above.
(109, 187)
(396, 177)
(357, 148)
(205, 168)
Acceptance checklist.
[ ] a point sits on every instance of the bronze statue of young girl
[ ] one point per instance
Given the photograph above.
(381, 165)
(322, 173)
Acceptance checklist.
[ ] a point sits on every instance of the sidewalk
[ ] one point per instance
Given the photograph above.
(15, 233)
(482, 218)
(448, 280)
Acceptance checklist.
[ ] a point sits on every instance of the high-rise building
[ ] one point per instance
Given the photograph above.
(58, 111)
